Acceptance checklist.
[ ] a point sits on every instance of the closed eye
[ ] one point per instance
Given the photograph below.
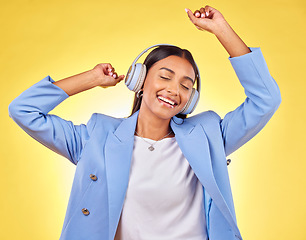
(185, 87)
(164, 78)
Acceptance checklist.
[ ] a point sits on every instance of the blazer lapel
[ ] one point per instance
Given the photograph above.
(118, 155)
(194, 145)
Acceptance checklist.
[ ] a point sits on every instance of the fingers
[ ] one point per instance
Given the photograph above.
(205, 12)
(191, 16)
(202, 13)
(208, 9)
(197, 13)
(120, 78)
(112, 73)
(195, 17)
(109, 70)
(116, 77)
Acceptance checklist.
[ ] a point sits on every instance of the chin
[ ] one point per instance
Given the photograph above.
(160, 109)
(165, 114)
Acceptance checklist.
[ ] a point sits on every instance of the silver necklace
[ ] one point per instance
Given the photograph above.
(151, 148)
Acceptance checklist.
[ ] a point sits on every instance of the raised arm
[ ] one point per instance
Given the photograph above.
(211, 20)
(30, 110)
(263, 95)
(102, 75)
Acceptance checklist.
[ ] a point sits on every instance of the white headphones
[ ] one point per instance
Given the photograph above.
(137, 72)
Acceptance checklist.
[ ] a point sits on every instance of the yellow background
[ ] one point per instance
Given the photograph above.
(63, 38)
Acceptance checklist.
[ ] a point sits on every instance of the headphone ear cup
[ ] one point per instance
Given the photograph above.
(136, 77)
(192, 102)
(141, 77)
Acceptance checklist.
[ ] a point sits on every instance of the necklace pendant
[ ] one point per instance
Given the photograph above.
(151, 148)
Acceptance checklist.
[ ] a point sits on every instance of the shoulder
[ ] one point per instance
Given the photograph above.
(207, 117)
(210, 122)
(100, 116)
(105, 119)
(99, 120)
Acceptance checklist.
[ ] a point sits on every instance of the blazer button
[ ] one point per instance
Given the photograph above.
(93, 177)
(228, 161)
(85, 211)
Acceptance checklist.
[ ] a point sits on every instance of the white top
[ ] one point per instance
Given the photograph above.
(164, 199)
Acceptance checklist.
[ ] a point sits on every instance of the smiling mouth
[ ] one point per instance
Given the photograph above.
(167, 102)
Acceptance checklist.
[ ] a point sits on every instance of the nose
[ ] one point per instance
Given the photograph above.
(173, 88)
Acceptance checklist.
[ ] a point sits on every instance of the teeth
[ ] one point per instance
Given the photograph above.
(166, 100)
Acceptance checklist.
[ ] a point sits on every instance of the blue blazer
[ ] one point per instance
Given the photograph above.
(102, 150)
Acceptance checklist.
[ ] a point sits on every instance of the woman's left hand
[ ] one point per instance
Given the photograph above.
(207, 19)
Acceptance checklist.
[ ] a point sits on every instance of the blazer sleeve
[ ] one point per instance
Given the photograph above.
(263, 99)
(30, 111)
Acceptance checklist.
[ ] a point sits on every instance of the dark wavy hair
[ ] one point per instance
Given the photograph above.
(158, 54)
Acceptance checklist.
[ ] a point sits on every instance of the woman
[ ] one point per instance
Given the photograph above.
(156, 174)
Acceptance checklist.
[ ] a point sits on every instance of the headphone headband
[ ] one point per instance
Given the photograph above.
(144, 51)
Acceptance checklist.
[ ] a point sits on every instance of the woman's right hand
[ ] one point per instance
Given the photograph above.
(106, 75)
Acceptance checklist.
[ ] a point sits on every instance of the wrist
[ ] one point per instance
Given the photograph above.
(232, 43)
(96, 76)
(222, 28)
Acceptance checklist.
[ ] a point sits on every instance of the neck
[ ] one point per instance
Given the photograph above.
(152, 127)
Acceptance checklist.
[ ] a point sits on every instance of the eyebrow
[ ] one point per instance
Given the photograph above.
(170, 70)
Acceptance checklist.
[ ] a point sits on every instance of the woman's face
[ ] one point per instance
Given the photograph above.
(168, 86)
